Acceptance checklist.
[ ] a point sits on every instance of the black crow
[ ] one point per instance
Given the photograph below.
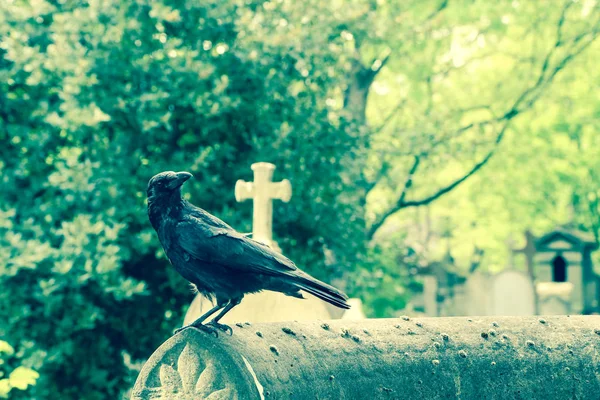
(222, 263)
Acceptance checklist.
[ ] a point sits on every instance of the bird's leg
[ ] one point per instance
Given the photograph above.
(215, 322)
(198, 324)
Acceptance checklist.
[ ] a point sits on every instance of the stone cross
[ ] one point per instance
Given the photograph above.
(529, 252)
(512, 250)
(262, 192)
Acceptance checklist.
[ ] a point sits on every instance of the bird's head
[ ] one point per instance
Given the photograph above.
(166, 184)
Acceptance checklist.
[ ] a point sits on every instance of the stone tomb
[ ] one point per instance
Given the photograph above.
(509, 292)
(442, 290)
(559, 257)
(426, 358)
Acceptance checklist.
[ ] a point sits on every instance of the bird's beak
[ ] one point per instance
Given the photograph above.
(180, 178)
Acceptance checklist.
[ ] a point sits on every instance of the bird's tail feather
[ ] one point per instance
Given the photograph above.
(323, 291)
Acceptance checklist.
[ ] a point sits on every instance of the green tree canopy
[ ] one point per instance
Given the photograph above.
(96, 98)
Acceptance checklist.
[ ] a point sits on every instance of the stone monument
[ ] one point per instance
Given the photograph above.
(560, 264)
(474, 358)
(262, 192)
(477, 294)
(512, 293)
(554, 297)
(442, 289)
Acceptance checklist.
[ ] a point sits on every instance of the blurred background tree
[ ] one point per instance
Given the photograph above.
(13, 377)
(393, 120)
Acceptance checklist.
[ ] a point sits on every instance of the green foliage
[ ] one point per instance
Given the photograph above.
(514, 80)
(386, 273)
(543, 176)
(95, 98)
(13, 379)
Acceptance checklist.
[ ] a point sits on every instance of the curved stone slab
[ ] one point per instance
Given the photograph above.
(191, 366)
(425, 358)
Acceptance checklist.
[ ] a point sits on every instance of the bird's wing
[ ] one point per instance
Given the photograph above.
(206, 217)
(230, 249)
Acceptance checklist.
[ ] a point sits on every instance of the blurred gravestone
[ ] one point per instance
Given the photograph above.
(512, 293)
(264, 307)
(555, 297)
(354, 313)
(477, 294)
(430, 294)
(442, 289)
(270, 306)
(459, 301)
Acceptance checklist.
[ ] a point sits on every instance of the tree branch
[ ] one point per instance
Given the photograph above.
(544, 77)
(389, 117)
(381, 172)
(380, 62)
(399, 204)
(525, 101)
(438, 10)
(471, 172)
(402, 204)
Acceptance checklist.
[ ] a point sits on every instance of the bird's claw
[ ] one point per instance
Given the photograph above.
(176, 331)
(201, 327)
(223, 327)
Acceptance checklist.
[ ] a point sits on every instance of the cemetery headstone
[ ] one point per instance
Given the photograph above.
(512, 293)
(477, 294)
(555, 298)
(459, 301)
(430, 292)
(529, 251)
(265, 307)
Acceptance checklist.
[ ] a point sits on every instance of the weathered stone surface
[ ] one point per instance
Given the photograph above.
(426, 358)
